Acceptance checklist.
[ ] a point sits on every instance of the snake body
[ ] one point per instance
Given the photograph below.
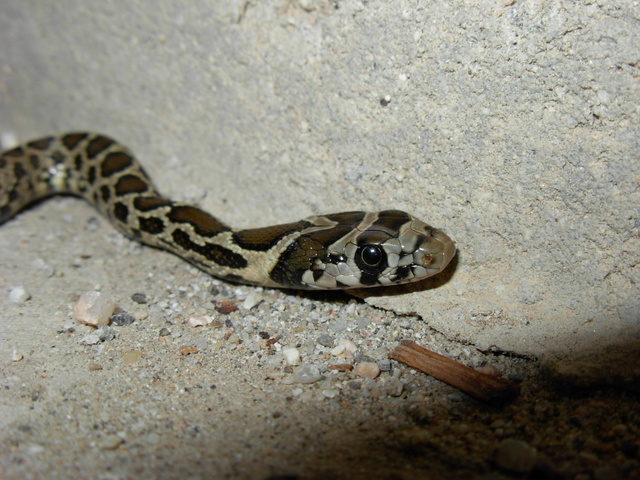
(335, 251)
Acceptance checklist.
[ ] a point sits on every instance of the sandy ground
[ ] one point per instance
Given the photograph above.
(158, 398)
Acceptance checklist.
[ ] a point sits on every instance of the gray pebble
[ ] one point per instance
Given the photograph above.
(307, 373)
(394, 387)
(363, 322)
(326, 340)
(515, 456)
(140, 298)
(123, 318)
(385, 365)
(105, 333)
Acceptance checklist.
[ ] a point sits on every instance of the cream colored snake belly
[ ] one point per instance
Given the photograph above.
(334, 251)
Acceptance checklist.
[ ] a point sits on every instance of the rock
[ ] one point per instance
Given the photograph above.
(325, 340)
(197, 321)
(291, 355)
(19, 295)
(394, 387)
(307, 373)
(139, 298)
(122, 318)
(515, 456)
(251, 301)
(111, 442)
(94, 308)
(90, 339)
(367, 370)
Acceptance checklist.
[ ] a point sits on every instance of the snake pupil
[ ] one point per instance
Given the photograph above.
(371, 255)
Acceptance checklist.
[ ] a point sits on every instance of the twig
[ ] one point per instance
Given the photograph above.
(479, 385)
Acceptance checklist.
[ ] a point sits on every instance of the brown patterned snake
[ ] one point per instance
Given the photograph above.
(336, 251)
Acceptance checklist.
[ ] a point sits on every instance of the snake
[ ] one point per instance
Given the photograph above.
(354, 249)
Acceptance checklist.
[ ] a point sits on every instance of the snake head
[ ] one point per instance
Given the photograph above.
(364, 249)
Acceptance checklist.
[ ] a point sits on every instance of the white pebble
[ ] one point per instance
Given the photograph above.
(337, 351)
(19, 295)
(197, 321)
(16, 356)
(111, 442)
(331, 392)
(306, 373)
(94, 308)
(291, 355)
(91, 339)
(367, 369)
(251, 301)
(349, 346)
(8, 139)
(345, 349)
(40, 264)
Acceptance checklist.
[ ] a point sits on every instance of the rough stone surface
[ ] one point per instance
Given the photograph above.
(512, 127)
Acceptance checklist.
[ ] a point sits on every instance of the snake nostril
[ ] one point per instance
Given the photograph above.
(427, 260)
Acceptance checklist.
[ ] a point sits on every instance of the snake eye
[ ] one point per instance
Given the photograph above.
(371, 259)
(371, 255)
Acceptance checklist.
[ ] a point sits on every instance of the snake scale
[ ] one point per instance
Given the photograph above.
(335, 251)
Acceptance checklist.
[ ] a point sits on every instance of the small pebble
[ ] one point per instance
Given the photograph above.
(105, 333)
(325, 340)
(197, 321)
(164, 332)
(367, 370)
(188, 350)
(226, 307)
(94, 308)
(307, 373)
(19, 295)
(337, 351)
(490, 370)
(16, 356)
(122, 319)
(140, 298)
(515, 456)
(90, 339)
(111, 442)
(331, 393)
(251, 301)
(291, 355)
(234, 338)
(341, 367)
(385, 365)
(348, 345)
(131, 356)
(394, 387)
(40, 264)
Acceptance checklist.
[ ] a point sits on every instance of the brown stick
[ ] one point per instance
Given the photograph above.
(479, 385)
